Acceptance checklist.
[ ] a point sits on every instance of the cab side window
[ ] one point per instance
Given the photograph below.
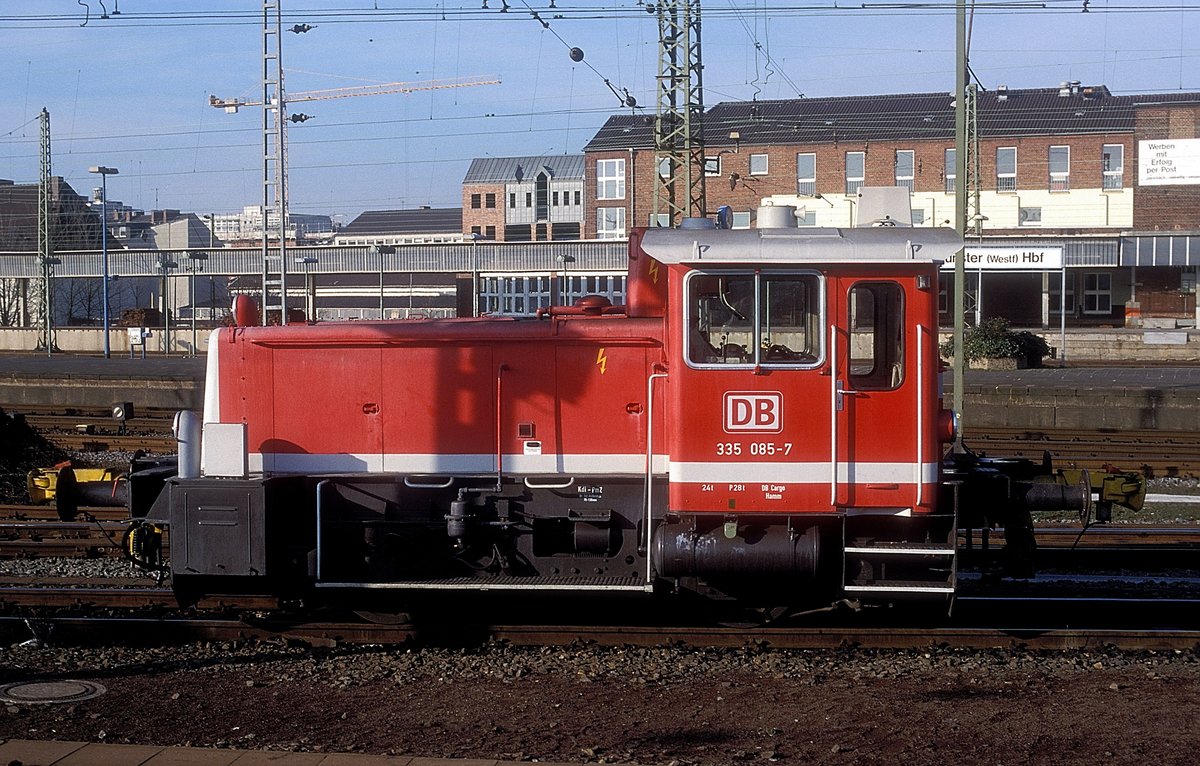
(750, 319)
(876, 326)
(721, 319)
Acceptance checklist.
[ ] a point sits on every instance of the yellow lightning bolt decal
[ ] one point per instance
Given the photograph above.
(654, 271)
(602, 361)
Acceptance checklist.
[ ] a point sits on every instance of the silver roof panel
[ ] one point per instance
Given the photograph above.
(883, 244)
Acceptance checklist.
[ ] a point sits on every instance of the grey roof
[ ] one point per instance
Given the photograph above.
(419, 221)
(498, 170)
(907, 116)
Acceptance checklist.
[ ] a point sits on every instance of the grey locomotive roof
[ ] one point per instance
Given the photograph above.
(498, 170)
(418, 221)
(880, 244)
(905, 116)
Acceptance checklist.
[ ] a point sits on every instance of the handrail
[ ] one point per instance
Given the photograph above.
(650, 468)
(833, 412)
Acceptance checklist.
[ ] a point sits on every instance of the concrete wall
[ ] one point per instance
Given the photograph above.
(90, 340)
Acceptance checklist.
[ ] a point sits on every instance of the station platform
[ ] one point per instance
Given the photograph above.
(25, 752)
(1126, 397)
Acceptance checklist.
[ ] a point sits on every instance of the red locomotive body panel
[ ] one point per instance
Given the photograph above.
(563, 395)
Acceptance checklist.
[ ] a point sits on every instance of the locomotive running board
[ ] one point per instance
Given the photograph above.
(476, 585)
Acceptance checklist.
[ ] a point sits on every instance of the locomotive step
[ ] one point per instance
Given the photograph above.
(901, 586)
(901, 549)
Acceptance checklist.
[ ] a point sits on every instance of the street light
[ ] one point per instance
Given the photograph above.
(310, 291)
(564, 260)
(197, 263)
(382, 250)
(475, 237)
(104, 173)
(165, 265)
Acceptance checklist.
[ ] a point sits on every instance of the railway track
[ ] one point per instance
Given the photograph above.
(76, 629)
(1153, 453)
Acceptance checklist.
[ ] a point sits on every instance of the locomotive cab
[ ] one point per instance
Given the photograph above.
(802, 402)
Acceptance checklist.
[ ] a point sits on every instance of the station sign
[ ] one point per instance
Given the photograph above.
(1169, 161)
(1009, 259)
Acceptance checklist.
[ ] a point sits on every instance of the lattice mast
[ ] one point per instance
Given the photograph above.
(678, 137)
(274, 152)
(43, 299)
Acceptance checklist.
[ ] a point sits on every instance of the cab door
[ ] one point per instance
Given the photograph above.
(876, 396)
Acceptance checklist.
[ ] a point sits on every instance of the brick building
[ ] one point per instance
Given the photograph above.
(524, 199)
(1057, 171)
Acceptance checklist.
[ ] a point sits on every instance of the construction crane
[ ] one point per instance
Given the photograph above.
(231, 106)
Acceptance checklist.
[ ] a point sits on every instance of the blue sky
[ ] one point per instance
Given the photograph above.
(131, 91)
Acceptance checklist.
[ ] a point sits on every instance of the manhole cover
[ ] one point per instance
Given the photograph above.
(50, 692)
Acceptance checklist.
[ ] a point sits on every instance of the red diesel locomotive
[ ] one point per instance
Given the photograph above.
(762, 420)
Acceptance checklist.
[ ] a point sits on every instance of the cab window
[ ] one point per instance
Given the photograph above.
(876, 325)
(749, 319)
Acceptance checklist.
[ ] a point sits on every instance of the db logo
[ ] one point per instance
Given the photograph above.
(754, 411)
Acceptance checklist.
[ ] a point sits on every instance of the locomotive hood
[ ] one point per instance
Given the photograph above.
(883, 244)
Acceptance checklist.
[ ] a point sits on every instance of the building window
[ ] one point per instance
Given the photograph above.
(610, 223)
(489, 232)
(512, 199)
(905, 168)
(541, 186)
(577, 202)
(489, 201)
(554, 199)
(1112, 160)
(741, 220)
(806, 174)
(758, 164)
(1097, 293)
(1055, 288)
(528, 199)
(1029, 216)
(1060, 168)
(610, 179)
(806, 218)
(477, 231)
(664, 167)
(918, 217)
(856, 163)
(475, 201)
(1006, 169)
(950, 170)
(660, 220)
(712, 166)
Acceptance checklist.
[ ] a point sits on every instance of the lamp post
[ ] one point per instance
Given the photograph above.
(564, 260)
(104, 173)
(165, 266)
(382, 250)
(475, 237)
(196, 263)
(310, 297)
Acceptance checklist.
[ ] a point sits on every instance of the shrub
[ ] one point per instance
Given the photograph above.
(995, 339)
